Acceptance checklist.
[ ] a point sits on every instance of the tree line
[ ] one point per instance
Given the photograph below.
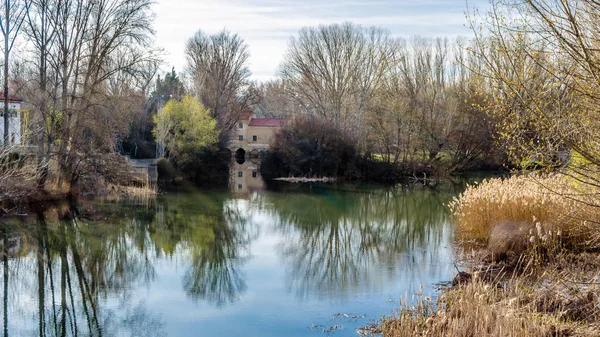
(406, 103)
(411, 103)
(522, 91)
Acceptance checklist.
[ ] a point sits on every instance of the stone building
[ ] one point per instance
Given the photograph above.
(254, 135)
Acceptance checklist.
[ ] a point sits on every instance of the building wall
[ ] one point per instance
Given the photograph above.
(14, 123)
(234, 141)
(11, 105)
(264, 136)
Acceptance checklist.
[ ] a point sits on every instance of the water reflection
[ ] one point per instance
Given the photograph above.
(332, 241)
(212, 236)
(81, 269)
(85, 270)
(67, 269)
(245, 177)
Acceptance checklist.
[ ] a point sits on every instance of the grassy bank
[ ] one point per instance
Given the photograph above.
(530, 245)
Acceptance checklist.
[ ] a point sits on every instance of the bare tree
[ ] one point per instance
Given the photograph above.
(41, 31)
(423, 106)
(400, 99)
(540, 69)
(218, 66)
(10, 25)
(275, 100)
(541, 66)
(333, 71)
(92, 67)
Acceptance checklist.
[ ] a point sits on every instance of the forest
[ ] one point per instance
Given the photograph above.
(517, 94)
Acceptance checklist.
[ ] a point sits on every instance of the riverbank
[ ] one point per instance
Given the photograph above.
(31, 199)
(558, 297)
(23, 184)
(530, 248)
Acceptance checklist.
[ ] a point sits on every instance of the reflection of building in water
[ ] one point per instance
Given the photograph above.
(245, 177)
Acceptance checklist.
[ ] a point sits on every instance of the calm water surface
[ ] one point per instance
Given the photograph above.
(293, 260)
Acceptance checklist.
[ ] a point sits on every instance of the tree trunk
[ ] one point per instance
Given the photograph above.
(6, 52)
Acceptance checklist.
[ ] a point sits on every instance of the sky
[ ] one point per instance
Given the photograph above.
(267, 25)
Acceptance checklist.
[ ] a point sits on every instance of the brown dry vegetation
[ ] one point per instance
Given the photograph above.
(541, 207)
(559, 297)
(14, 171)
(516, 309)
(544, 275)
(107, 173)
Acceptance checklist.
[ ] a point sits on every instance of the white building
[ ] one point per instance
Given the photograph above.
(15, 120)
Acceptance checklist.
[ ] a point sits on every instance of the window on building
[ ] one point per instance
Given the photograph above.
(239, 186)
(240, 174)
(241, 137)
(241, 125)
(254, 174)
(254, 138)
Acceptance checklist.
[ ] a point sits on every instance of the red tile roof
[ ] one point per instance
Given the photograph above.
(267, 122)
(10, 98)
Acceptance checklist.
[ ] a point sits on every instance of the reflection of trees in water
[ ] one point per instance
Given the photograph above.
(82, 275)
(71, 270)
(216, 236)
(334, 239)
(215, 271)
(206, 229)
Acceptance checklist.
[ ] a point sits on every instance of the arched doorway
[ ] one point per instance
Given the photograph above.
(240, 152)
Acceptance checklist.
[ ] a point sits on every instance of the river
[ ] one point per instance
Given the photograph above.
(252, 260)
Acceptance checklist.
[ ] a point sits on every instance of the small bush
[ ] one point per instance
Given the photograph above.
(166, 170)
(545, 206)
(208, 166)
(316, 148)
(312, 147)
(508, 237)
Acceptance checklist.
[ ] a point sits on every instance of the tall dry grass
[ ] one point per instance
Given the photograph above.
(540, 206)
(482, 309)
(558, 297)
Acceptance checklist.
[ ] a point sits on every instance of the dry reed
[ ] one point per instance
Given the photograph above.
(553, 205)
(553, 296)
(482, 309)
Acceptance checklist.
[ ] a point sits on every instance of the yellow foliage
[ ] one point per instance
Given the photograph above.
(184, 127)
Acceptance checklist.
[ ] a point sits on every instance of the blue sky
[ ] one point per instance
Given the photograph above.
(266, 25)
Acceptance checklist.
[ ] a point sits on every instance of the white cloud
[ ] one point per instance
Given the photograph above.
(266, 25)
